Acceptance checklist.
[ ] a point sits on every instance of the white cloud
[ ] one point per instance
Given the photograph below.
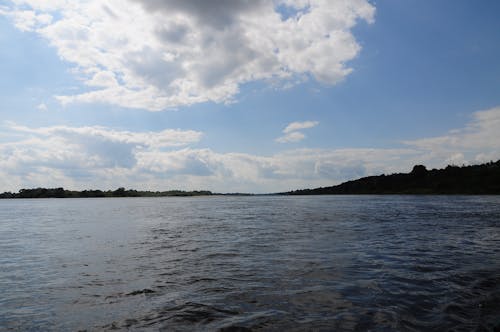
(229, 172)
(162, 54)
(27, 20)
(105, 79)
(162, 139)
(292, 134)
(300, 125)
(82, 150)
(479, 141)
(104, 158)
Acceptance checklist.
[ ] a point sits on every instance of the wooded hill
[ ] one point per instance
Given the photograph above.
(467, 180)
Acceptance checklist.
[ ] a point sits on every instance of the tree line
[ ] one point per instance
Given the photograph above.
(120, 192)
(481, 179)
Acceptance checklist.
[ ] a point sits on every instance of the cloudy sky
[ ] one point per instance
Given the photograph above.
(248, 96)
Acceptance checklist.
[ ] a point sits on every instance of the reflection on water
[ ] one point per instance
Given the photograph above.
(351, 263)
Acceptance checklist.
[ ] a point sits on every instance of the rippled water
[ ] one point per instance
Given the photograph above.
(359, 263)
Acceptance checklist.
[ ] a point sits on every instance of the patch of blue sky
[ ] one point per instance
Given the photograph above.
(290, 12)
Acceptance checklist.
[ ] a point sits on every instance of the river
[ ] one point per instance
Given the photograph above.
(260, 263)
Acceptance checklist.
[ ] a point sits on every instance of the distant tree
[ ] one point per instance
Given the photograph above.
(419, 170)
(58, 193)
(120, 192)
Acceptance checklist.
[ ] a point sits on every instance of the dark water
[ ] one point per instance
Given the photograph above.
(379, 263)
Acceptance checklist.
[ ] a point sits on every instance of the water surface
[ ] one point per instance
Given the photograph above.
(353, 263)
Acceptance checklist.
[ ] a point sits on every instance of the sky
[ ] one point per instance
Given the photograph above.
(243, 96)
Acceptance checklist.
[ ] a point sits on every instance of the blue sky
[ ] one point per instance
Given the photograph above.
(234, 96)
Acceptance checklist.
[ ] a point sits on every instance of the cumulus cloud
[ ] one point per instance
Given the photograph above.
(81, 150)
(292, 134)
(28, 20)
(478, 141)
(99, 157)
(291, 169)
(155, 55)
(106, 158)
